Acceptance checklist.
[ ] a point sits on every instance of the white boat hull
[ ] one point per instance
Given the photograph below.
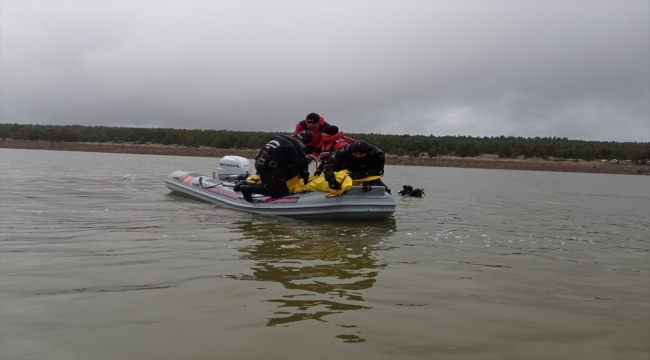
(355, 204)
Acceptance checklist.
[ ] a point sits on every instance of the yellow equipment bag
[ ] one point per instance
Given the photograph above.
(320, 184)
(365, 179)
(296, 185)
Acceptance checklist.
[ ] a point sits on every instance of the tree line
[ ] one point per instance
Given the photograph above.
(412, 145)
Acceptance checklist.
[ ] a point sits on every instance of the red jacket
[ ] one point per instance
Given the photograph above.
(302, 126)
(333, 143)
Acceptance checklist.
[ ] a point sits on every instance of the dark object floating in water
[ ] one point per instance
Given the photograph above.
(408, 190)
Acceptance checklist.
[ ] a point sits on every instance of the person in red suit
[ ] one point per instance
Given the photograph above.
(314, 123)
(332, 140)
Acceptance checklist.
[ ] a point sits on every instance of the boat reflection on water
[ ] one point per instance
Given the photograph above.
(326, 266)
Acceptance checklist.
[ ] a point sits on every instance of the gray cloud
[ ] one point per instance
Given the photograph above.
(575, 69)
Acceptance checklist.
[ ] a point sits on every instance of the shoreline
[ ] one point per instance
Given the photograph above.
(480, 162)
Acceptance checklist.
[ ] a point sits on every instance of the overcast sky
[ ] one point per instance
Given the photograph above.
(576, 69)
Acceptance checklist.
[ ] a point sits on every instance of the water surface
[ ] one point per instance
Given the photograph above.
(98, 260)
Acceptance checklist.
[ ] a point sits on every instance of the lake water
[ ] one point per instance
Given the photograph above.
(98, 260)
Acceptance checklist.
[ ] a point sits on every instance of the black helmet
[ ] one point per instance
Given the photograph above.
(360, 146)
(306, 136)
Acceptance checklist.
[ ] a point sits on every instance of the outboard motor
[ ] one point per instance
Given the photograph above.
(232, 168)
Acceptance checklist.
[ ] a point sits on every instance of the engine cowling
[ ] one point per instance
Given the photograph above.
(231, 167)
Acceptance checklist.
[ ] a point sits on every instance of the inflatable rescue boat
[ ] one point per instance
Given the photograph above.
(355, 204)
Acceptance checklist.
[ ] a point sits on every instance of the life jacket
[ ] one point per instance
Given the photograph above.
(333, 143)
(302, 126)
